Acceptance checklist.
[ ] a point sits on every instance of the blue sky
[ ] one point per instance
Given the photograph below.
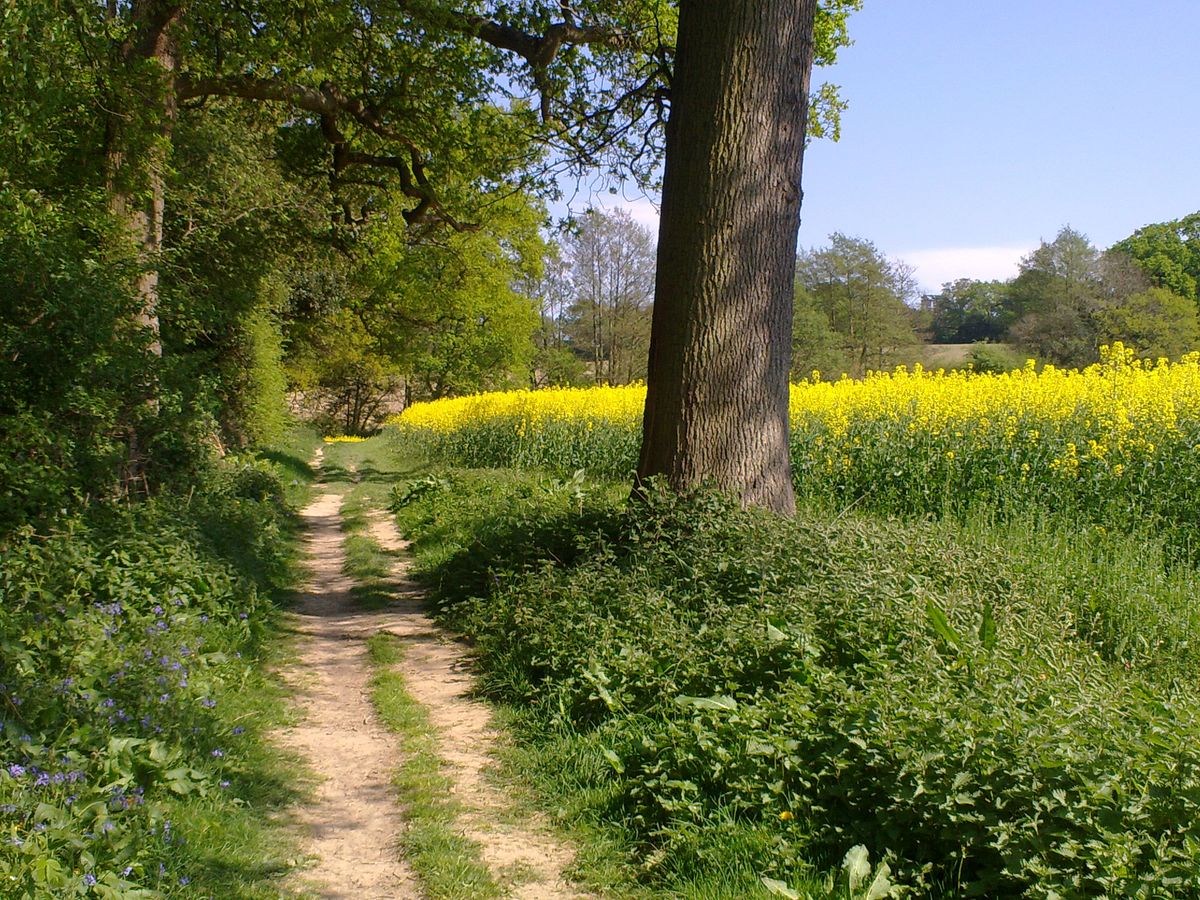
(977, 129)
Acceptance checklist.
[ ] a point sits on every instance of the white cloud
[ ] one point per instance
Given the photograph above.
(935, 267)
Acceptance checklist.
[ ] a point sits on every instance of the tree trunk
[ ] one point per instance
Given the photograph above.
(137, 142)
(720, 345)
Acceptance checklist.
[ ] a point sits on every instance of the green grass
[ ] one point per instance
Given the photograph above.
(941, 688)
(367, 470)
(447, 863)
(292, 455)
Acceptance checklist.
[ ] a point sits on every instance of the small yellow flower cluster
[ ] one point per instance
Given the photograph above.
(344, 439)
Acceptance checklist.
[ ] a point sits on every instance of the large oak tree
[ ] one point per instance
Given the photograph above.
(720, 350)
(446, 103)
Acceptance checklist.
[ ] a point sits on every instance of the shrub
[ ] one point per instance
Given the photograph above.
(830, 682)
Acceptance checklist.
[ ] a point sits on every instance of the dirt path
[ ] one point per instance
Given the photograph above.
(352, 827)
(354, 824)
(519, 851)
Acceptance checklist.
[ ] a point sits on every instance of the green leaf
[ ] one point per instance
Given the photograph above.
(779, 888)
(717, 701)
(857, 864)
(614, 760)
(882, 884)
(987, 628)
(937, 619)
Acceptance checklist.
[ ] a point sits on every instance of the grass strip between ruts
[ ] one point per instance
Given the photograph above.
(447, 862)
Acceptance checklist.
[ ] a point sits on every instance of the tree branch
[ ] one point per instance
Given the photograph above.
(329, 103)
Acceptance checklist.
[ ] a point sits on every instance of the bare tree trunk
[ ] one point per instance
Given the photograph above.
(720, 346)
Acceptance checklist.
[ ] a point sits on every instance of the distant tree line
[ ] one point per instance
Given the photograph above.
(1070, 297)
(856, 310)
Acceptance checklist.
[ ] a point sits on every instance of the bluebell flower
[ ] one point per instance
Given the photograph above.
(16, 771)
(89, 879)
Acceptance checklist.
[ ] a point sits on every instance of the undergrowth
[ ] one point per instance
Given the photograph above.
(779, 706)
(133, 696)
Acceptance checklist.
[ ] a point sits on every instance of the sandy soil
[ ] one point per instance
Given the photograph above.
(352, 827)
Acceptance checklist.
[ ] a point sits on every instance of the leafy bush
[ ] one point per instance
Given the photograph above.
(829, 683)
(987, 357)
(126, 636)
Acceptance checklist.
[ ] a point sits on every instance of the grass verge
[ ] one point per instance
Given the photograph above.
(741, 703)
(447, 862)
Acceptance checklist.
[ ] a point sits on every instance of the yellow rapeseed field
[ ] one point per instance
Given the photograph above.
(905, 441)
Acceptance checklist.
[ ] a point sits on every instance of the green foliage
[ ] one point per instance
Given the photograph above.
(558, 367)
(936, 698)
(344, 375)
(1169, 252)
(75, 376)
(996, 358)
(816, 347)
(1056, 297)
(1070, 299)
(558, 445)
(129, 640)
(862, 294)
(265, 416)
(1155, 324)
(446, 313)
(967, 311)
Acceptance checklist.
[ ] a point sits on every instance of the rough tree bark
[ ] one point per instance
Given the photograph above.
(720, 346)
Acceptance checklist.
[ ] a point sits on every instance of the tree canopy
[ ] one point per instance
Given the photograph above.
(1169, 253)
